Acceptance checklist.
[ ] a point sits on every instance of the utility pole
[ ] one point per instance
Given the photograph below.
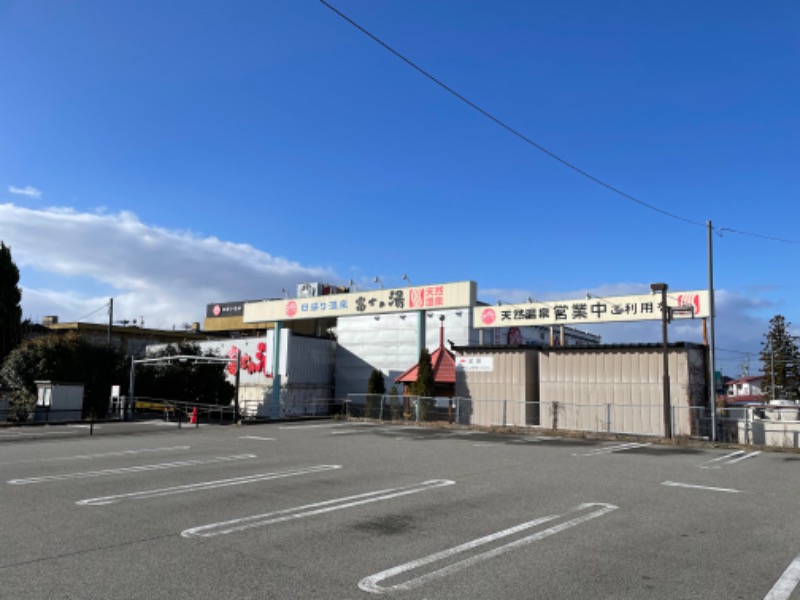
(662, 287)
(238, 379)
(110, 318)
(712, 367)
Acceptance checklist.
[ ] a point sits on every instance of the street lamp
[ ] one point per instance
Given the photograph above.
(662, 287)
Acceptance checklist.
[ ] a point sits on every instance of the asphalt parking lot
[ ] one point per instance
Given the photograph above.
(346, 510)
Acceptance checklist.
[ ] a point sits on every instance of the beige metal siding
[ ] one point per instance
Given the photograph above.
(620, 391)
(504, 395)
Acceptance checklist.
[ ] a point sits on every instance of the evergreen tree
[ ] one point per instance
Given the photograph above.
(62, 358)
(394, 403)
(376, 388)
(423, 387)
(10, 298)
(780, 359)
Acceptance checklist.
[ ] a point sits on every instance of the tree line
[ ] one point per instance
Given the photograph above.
(71, 358)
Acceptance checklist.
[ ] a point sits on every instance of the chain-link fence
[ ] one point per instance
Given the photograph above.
(633, 419)
(406, 408)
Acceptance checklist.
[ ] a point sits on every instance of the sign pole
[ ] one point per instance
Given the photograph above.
(662, 287)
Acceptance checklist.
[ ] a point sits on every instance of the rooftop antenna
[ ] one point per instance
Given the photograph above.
(379, 282)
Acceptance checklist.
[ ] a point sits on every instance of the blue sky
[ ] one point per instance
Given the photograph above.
(173, 154)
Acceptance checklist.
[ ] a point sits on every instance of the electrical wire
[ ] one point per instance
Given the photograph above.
(539, 147)
(733, 351)
(106, 305)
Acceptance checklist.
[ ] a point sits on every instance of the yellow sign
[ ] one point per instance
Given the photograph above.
(427, 297)
(593, 310)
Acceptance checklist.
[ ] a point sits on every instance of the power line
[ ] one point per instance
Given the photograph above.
(733, 351)
(539, 147)
(91, 313)
(758, 235)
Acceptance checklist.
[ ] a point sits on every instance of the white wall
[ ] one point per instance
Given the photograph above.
(389, 342)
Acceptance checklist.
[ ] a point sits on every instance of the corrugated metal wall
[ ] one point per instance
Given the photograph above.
(608, 389)
(621, 390)
(504, 395)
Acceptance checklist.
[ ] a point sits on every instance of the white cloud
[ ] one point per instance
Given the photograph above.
(165, 276)
(28, 190)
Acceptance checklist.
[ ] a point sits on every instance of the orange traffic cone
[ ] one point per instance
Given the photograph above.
(193, 419)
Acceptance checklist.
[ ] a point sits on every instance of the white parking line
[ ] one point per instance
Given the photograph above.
(93, 456)
(101, 473)
(699, 487)
(256, 437)
(309, 510)
(326, 425)
(205, 485)
(617, 448)
(351, 432)
(784, 587)
(728, 459)
(37, 431)
(745, 457)
(371, 583)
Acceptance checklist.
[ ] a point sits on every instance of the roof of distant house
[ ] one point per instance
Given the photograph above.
(748, 379)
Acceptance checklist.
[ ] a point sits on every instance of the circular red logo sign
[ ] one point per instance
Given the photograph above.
(217, 310)
(291, 308)
(488, 316)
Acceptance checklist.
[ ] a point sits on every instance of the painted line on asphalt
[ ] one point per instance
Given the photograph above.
(617, 448)
(371, 583)
(139, 469)
(256, 437)
(38, 431)
(93, 456)
(351, 432)
(700, 487)
(710, 463)
(310, 510)
(745, 457)
(205, 485)
(729, 459)
(784, 587)
(326, 426)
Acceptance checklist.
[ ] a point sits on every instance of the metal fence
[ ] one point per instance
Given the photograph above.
(634, 419)
(311, 407)
(406, 408)
(176, 411)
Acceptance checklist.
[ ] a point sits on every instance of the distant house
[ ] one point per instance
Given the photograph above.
(131, 340)
(745, 389)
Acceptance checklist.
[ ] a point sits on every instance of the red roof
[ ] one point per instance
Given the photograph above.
(745, 399)
(748, 379)
(443, 363)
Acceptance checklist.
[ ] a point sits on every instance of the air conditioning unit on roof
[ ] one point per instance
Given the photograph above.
(309, 290)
